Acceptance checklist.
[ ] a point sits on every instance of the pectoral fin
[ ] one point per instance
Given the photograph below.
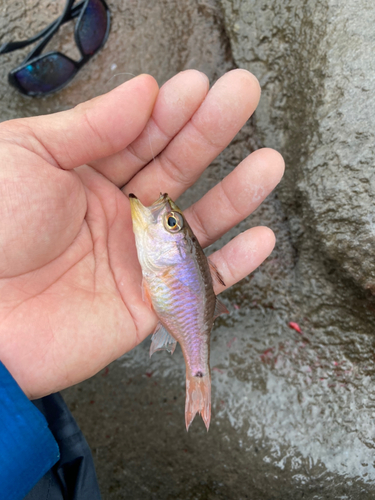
(162, 340)
(220, 309)
(146, 294)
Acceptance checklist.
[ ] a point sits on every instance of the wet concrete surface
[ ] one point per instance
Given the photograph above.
(292, 411)
(284, 404)
(141, 35)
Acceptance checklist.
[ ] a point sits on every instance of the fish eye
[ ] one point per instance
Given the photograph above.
(173, 222)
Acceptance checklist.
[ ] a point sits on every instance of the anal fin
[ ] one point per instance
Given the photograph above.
(162, 340)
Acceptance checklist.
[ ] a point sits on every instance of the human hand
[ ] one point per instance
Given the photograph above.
(70, 281)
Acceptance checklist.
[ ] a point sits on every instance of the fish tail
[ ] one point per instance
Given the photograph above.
(198, 398)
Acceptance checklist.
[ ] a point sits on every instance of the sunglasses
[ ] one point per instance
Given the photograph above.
(41, 74)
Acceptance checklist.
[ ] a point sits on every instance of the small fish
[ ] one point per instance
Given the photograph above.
(177, 284)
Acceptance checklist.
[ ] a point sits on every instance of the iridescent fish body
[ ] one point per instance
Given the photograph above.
(177, 284)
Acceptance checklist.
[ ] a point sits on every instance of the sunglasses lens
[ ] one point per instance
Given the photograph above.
(46, 74)
(92, 28)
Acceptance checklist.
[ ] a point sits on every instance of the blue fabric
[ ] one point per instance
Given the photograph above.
(27, 447)
(73, 477)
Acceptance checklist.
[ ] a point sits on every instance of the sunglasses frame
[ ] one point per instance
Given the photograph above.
(46, 34)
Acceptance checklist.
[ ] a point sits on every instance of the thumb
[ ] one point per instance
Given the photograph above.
(99, 127)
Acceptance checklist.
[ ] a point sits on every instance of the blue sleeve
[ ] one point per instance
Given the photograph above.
(27, 447)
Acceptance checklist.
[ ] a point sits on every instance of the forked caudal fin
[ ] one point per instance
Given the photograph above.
(198, 398)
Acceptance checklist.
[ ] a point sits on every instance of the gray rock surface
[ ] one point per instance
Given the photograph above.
(313, 60)
(315, 63)
(292, 412)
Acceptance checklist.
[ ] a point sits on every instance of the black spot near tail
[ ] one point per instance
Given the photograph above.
(198, 374)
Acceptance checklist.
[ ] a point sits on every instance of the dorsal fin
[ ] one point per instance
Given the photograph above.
(215, 273)
(219, 309)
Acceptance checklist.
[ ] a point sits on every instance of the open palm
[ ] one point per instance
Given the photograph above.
(70, 282)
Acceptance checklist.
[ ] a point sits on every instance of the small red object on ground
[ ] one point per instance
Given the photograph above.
(295, 326)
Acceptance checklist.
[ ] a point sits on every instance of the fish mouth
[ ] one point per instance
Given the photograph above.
(140, 214)
(144, 216)
(162, 199)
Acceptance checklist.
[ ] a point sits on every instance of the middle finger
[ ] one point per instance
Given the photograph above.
(227, 107)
